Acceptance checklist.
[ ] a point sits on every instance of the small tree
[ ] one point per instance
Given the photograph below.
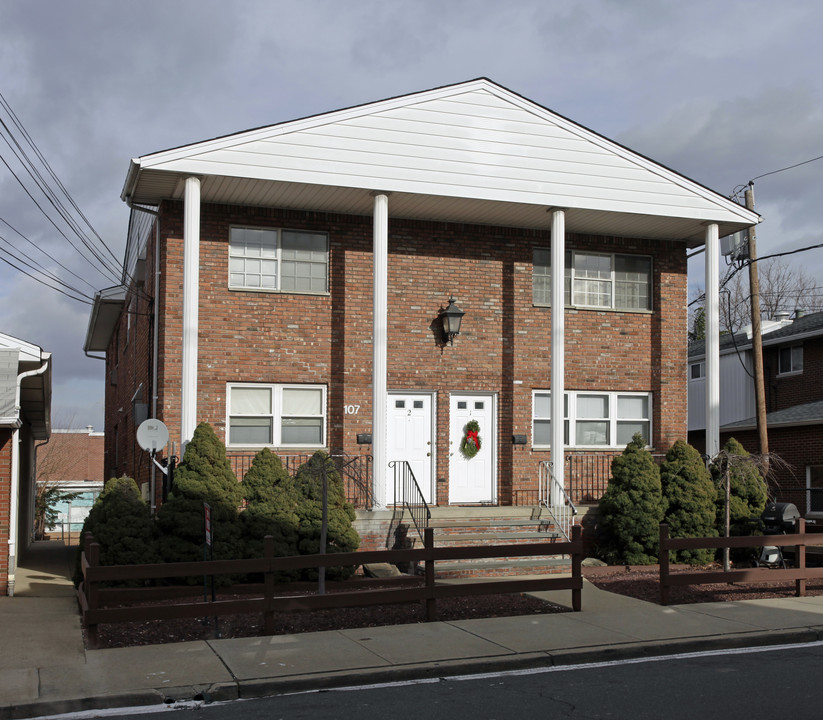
(203, 476)
(689, 495)
(632, 508)
(272, 508)
(48, 495)
(742, 493)
(341, 535)
(121, 522)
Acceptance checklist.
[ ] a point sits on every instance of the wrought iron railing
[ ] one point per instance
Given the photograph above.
(556, 500)
(356, 471)
(587, 475)
(407, 494)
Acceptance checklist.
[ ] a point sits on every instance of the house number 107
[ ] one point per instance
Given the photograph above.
(351, 409)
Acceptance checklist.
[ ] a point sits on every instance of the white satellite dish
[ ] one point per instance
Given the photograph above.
(152, 435)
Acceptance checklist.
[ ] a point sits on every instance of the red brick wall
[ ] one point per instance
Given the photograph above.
(503, 346)
(72, 456)
(5, 507)
(784, 391)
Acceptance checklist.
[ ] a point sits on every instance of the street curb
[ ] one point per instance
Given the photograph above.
(39, 708)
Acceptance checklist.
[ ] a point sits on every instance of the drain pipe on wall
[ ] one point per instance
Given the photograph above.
(14, 500)
(155, 334)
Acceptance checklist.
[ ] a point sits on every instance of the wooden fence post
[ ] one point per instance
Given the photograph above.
(577, 567)
(92, 591)
(800, 559)
(431, 602)
(268, 585)
(663, 560)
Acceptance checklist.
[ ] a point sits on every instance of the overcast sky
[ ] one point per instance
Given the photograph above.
(722, 92)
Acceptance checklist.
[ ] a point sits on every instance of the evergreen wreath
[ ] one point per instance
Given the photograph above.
(471, 440)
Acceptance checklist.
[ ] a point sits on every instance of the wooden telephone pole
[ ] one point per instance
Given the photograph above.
(757, 340)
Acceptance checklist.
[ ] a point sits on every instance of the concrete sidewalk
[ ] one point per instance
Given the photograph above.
(46, 669)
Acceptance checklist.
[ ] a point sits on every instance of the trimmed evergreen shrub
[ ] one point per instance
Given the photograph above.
(204, 475)
(341, 535)
(690, 495)
(632, 508)
(748, 490)
(120, 521)
(272, 509)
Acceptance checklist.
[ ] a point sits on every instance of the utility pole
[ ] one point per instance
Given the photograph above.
(757, 340)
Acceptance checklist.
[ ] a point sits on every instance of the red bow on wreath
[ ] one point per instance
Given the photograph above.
(472, 435)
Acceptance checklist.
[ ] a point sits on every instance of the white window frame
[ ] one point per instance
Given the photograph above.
(572, 419)
(275, 257)
(572, 279)
(817, 497)
(701, 371)
(795, 352)
(276, 415)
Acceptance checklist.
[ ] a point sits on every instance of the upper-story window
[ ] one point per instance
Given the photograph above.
(596, 280)
(278, 260)
(697, 371)
(790, 360)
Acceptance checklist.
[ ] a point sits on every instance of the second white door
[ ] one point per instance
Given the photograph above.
(410, 439)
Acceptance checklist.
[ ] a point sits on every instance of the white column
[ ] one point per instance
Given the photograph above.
(379, 348)
(191, 291)
(558, 349)
(712, 341)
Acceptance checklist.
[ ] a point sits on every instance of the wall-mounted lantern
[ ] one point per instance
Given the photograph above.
(451, 317)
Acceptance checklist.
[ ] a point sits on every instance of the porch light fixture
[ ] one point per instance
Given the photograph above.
(452, 316)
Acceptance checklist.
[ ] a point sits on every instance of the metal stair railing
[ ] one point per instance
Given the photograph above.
(553, 496)
(407, 493)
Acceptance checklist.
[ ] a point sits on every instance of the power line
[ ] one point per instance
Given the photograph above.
(789, 167)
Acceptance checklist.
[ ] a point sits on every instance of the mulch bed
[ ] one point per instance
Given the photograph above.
(251, 625)
(643, 583)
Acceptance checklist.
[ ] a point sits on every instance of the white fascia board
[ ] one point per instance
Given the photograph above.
(28, 351)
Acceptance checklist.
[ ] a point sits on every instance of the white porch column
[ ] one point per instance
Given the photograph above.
(191, 291)
(558, 350)
(712, 341)
(379, 347)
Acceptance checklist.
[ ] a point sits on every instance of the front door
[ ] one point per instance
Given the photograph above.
(410, 438)
(471, 480)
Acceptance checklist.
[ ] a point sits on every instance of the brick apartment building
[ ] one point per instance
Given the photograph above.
(287, 285)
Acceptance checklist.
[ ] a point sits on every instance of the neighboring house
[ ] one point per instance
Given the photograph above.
(72, 461)
(25, 418)
(287, 284)
(793, 381)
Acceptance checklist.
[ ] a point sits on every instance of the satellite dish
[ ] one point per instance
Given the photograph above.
(152, 435)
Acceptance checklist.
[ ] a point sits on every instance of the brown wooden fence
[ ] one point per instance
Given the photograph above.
(96, 602)
(799, 573)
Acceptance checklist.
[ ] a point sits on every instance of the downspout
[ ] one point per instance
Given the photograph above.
(155, 334)
(15, 479)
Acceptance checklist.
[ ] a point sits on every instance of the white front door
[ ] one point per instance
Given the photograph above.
(471, 480)
(409, 426)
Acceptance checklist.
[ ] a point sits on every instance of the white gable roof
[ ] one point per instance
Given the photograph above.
(468, 152)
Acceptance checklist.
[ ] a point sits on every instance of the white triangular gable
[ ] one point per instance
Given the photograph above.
(475, 140)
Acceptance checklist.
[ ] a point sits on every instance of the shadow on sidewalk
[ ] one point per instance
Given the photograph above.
(45, 570)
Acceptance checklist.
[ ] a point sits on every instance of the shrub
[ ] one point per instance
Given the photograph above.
(121, 522)
(204, 475)
(272, 509)
(690, 495)
(632, 508)
(341, 535)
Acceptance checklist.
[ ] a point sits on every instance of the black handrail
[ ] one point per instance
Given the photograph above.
(408, 494)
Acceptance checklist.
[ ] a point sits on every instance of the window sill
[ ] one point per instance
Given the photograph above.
(588, 308)
(793, 373)
(267, 291)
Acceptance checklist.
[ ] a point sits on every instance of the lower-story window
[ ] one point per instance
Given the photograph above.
(593, 419)
(814, 489)
(276, 415)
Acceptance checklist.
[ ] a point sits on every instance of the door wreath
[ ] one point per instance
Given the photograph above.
(471, 440)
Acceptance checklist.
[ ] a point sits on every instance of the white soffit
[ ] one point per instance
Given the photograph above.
(461, 153)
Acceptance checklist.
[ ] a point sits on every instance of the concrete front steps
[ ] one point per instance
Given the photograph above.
(469, 526)
(472, 526)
